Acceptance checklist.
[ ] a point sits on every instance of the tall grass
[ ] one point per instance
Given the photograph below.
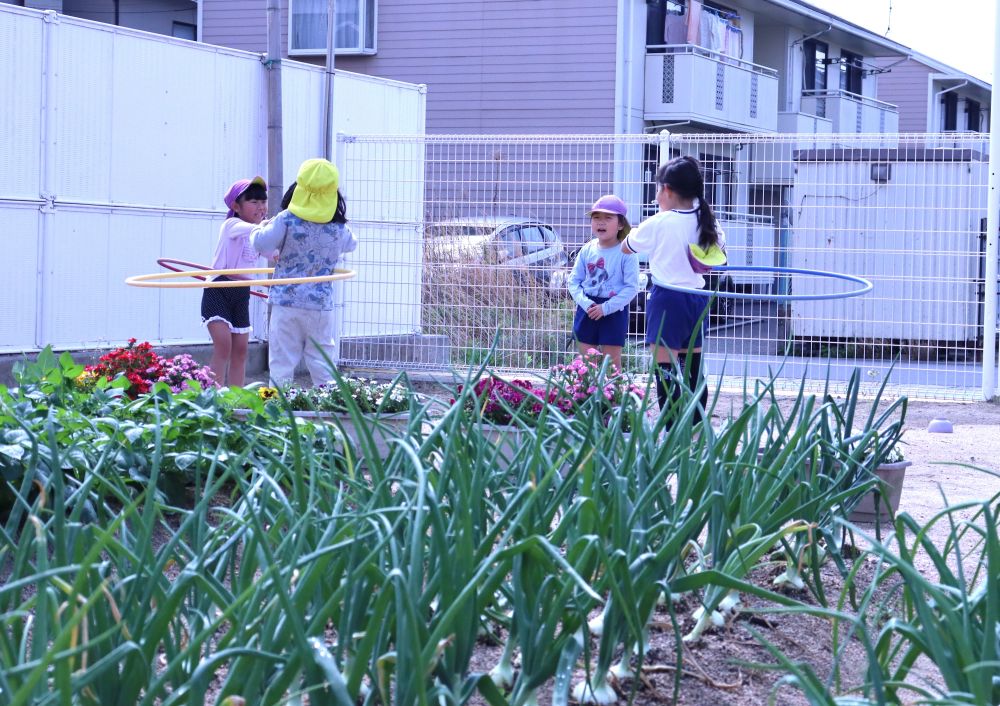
(470, 304)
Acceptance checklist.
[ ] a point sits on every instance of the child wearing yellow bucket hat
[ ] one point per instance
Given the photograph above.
(310, 237)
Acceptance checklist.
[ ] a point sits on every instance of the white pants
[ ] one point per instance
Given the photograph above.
(295, 333)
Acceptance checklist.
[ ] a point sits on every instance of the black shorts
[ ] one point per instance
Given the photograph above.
(228, 304)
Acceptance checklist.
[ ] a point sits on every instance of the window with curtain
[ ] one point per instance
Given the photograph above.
(355, 29)
(851, 72)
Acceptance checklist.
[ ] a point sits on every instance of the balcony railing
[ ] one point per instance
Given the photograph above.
(850, 112)
(680, 79)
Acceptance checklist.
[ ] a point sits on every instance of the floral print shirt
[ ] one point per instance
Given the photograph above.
(305, 249)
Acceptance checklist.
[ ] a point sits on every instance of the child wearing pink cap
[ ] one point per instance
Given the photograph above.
(226, 310)
(604, 281)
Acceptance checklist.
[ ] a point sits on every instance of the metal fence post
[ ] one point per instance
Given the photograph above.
(992, 224)
(664, 148)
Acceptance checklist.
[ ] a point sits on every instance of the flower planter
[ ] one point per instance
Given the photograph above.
(891, 476)
(507, 438)
(384, 427)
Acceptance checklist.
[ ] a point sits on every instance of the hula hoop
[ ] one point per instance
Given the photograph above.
(864, 285)
(156, 280)
(169, 263)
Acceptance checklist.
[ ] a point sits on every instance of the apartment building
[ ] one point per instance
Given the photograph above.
(174, 18)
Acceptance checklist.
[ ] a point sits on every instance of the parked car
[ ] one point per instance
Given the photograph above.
(530, 247)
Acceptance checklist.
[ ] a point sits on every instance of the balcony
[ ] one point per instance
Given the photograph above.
(679, 82)
(851, 113)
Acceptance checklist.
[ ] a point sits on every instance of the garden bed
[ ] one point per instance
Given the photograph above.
(316, 574)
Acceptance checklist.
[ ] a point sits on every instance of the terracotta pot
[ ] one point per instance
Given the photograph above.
(892, 476)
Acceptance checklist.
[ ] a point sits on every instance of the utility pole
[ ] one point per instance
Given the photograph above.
(331, 48)
(274, 151)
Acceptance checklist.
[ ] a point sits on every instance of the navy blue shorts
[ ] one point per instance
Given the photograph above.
(609, 330)
(672, 317)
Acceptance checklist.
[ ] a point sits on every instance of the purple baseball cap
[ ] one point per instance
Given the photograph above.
(609, 203)
(237, 189)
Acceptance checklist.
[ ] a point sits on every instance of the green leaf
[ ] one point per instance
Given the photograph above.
(14, 451)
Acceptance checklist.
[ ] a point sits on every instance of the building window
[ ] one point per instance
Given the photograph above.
(851, 72)
(719, 176)
(973, 114)
(185, 30)
(815, 65)
(950, 110)
(355, 33)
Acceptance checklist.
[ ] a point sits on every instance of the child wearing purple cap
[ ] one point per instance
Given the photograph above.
(604, 281)
(226, 310)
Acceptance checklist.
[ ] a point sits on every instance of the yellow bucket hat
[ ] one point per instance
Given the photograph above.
(315, 197)
(703, 261)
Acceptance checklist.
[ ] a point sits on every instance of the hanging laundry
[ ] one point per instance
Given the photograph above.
(733, 45)
(713, 31)
(694, 22)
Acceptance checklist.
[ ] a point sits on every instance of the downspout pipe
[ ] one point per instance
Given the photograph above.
(331, 49)
(937, 96)
(789, 93)
(275, 155)
(950, 89)
(43, 292)
(992, 225)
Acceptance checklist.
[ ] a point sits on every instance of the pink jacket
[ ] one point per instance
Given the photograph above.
(234, 250)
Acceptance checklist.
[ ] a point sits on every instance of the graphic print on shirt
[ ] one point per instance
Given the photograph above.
(596, 275)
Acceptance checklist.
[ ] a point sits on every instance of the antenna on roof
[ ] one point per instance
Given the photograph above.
(888, 24)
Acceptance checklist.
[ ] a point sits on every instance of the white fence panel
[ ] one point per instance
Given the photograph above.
(20, 127)
(134, 138)
(387, 216)
(19, 243)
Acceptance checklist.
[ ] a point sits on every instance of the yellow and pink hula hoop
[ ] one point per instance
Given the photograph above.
(161, 279)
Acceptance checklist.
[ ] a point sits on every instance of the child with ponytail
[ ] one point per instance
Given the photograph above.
(675, 320)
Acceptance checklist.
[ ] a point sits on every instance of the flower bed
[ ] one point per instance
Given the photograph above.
(142, 367)
(366, 395)
(586, 382)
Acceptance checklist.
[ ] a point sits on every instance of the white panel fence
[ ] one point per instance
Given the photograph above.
(117, 148)
(890, 208)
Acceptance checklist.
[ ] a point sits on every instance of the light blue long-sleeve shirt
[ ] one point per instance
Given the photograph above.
(305, 249)
(607, 273)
